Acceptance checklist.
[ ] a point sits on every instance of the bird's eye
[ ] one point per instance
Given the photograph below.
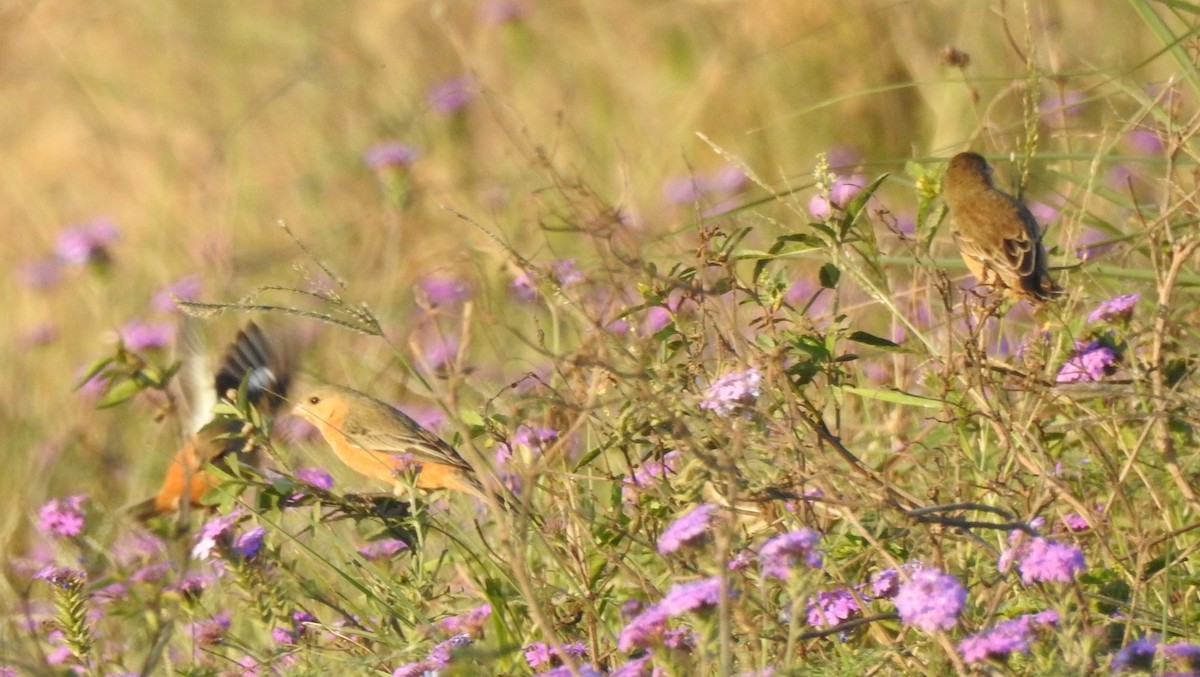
(314, 400)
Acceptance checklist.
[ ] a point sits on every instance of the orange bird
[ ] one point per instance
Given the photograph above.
(265, 366)
(997, 237)
(377, 440)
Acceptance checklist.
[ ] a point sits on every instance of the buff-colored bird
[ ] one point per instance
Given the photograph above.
(996, 235)
(266, 365)
(379, 441)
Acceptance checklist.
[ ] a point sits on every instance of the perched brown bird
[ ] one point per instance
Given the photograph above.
(266, 366)
(377, 440)
(996, 235)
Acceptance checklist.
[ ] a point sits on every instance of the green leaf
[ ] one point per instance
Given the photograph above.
(894, 396)
(95, 368)
(873, 340)
(118, 393)
(829, 276)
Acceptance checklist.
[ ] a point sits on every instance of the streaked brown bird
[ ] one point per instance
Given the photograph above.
(997, 237)
(379, 441)
(266, 364)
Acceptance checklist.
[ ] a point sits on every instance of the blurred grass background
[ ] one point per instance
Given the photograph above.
(198, 127)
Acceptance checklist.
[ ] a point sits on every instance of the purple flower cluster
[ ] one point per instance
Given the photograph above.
(534, 440)
(1041, 560)
(138, 335)
(438, 659)
(87, 242)
(648, 627)
(468, 623)
(62, 516)
(781, 554)
(732, 389)
(63, 578)
(217, 535)
(832, 607)
(540, 654)
(452, 95)
(843, 190)
(382, 549)
(1091, 361)
(445, 290)
(1118, 309)
(1005, 638)
(1137, 655)
(651, 474)
(930, 600)
(185, 289)
(688, 529)
(720, 184)
(390, 155)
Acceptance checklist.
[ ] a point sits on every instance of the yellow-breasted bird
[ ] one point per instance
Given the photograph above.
(379, 441)
(997, 237)
(266, 364)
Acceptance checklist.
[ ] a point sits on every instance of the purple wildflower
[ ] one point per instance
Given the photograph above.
(390, 155)
(832, 607)
(643, 630)
(684, 190)
(1051, 562)
(211, 632)
(452, 95)
(655, 320)
(1186, 654)
(496, 12)
(415, 669)
(247, 545)
(214, 532)
(1117, 309)
(728, 180)
(1145, 142)
(652, 473)
(1043, 213)
(1092, 242)
(931, 600)
(582, 670)
(1091, 362)
(685, 597)
(62, 516)
(566, 272)
(819, 207)
(1075, 522)
(780, 554)
(1137, 655)
(445, 290)
(468, 623)
(679, 638)
(185, 289)
(315, 477)
(138, 335)
(441, 653)
(523, 287)
(731, 389)
(63, 578)
(740, 561)
(1008, 637)
(688, 529)
(1067, 103)
(40, 275)
(382, 549)
(87, 242)
(845, 189)
(885, 584)
(538, 654)
(638, 667)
